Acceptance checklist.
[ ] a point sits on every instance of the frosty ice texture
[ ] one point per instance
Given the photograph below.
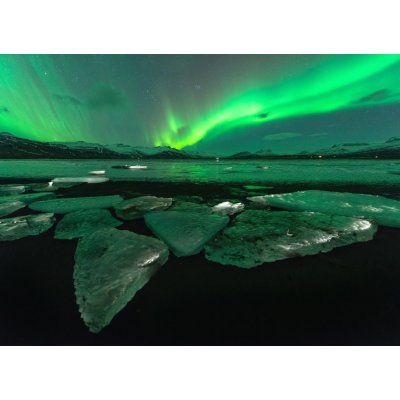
(27, 225)
(185, 232)
(258, 236)
(228, 208)
(10, 207)
(84, 222)
(380, 209)
(11, 189)
(131, 209)
(110, 267)
(66, 205)
(84, 179)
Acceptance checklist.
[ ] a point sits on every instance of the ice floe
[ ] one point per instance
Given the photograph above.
(11, 189)
(80, 223)
(26, 198)
(27, 225)
(84, 179)
(380, 209)
(110, 267)
(185, 232)
(70, 204)
(10, 207)
(135, 208)
(258, 236)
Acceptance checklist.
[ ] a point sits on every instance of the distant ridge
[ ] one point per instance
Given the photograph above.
(13, 147)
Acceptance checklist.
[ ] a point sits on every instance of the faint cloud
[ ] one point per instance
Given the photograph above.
(379, 95)
(4, 109)
(282, 136)
(104, 96)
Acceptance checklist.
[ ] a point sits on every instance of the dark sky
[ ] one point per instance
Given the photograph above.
(219, 103)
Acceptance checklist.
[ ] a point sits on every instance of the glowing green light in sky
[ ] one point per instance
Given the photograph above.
(28, 103)
(337, 84)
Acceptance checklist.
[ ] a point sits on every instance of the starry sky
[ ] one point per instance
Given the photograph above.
(209, 103)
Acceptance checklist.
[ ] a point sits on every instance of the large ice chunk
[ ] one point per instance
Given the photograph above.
(27, 225)
(70, 204)
(131, 209)
(110, 267)
(10, 207)
(185, 232)
(84, 222)
(380, 209)
(258, 236)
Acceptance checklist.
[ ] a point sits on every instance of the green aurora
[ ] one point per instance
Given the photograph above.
(184, 101)
(331, 87)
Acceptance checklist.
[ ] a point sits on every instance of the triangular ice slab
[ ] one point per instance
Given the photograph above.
(185, 232)
(110, 267)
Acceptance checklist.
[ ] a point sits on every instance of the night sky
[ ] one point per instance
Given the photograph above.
(213, 103)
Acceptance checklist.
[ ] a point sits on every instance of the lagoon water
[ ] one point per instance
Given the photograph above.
(366, 172)
(346, 296)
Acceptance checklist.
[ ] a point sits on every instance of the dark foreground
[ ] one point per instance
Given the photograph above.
(349, 296)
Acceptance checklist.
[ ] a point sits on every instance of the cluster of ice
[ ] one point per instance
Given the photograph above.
(80, 223)
(185, 232)
(228, 208)
(27, 225)
(131, 209)
(379, 209)
(81, 179)
(259, 236)
(110, 267)
(66, 205)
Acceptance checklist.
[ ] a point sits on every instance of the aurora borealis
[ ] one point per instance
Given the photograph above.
(221, 103)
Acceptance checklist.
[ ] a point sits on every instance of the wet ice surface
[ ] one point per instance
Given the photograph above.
(110, 267)
(185, 232)
(27, 225)
(84, 222)
(66, 205)
(257, 237)
(131, 209)
(380, 209)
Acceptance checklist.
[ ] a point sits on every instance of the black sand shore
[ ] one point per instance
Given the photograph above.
(348, 296)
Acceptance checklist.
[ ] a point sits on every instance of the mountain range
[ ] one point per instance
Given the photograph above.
(13, 147)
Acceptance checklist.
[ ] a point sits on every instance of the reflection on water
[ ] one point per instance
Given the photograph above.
(278, 171)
